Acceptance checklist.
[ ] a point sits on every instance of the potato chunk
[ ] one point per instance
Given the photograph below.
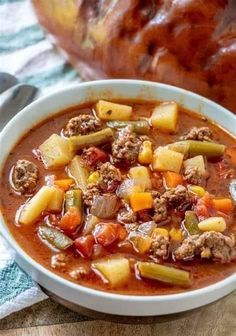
(115, 270)
(56, 202)
(165, 159)
(36, 205)
(55, 152)
(196, 162)
(140, 242)
(111, 111)
(164, 116)
(141, 176)
(216, 224)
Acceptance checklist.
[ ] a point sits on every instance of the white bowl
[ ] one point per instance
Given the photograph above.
(89, 298)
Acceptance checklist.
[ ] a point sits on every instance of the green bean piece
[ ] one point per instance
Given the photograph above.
(163, 273)
(73, 198)
(191, 223)
(138, 126)
(209, 149)
(79, 172)
(93, 139)
(54, 237)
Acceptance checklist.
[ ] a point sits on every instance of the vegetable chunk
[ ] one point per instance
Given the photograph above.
(115, 270)
(145, 153)
(111, 111)
(209, 149)
(55, 152)
(163, 273)
(141, 242)
(196, 162)
(141, 176)
(141, 201)
(36, 205)
(165, 159)
(138, 126)
(56, 202)
(79, 172)
(172, 180)
(80, 141)
(54, 237)
(191, 223)
(216, 224)
(164, 116)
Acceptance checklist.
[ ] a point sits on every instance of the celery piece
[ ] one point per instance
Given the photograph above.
(73, 198)
(54, 237)
(191, 223)
(163, 273)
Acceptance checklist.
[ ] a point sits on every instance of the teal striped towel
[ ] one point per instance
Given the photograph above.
(25, 53)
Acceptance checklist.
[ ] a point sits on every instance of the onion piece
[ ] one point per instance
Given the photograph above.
(105, 206)
(90, 223)
(147, 228)
(129, 186)
(232, 189)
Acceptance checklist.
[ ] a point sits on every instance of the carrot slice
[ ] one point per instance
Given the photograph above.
(71, 220)
(223, 204)
(141, 201)
(172, 179)
(64, 184)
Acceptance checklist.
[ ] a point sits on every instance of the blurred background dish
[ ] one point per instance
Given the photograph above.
(190, 44)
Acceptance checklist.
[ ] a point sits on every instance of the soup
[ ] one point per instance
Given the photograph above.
(130, 197)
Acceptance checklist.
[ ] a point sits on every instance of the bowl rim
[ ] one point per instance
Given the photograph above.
(87, 290)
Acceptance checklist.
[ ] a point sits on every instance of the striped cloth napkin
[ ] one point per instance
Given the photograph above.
(27, 54)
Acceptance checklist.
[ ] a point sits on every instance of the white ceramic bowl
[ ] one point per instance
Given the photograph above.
(86, 297)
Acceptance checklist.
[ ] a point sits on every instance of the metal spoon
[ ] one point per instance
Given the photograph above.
(14, 98)
(7, 81)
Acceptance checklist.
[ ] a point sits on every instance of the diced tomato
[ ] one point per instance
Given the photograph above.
(204, 206)
(84, 245)
(207, 199)
(98, 251)
(105, 233)
(122, 233)
(71, 220)
(157, 180)
(201, 211)
(93, 155)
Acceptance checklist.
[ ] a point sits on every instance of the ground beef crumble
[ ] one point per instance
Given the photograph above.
(208, 245)
(160, 208)
(80, 272)
(192, 175)
(59, 261)
(81, 125)
(160, 246)
(127, 215)
(198, 133)
(126, 147)
(110, 177)
(25, 176)
(177, 198)
(91, 191)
